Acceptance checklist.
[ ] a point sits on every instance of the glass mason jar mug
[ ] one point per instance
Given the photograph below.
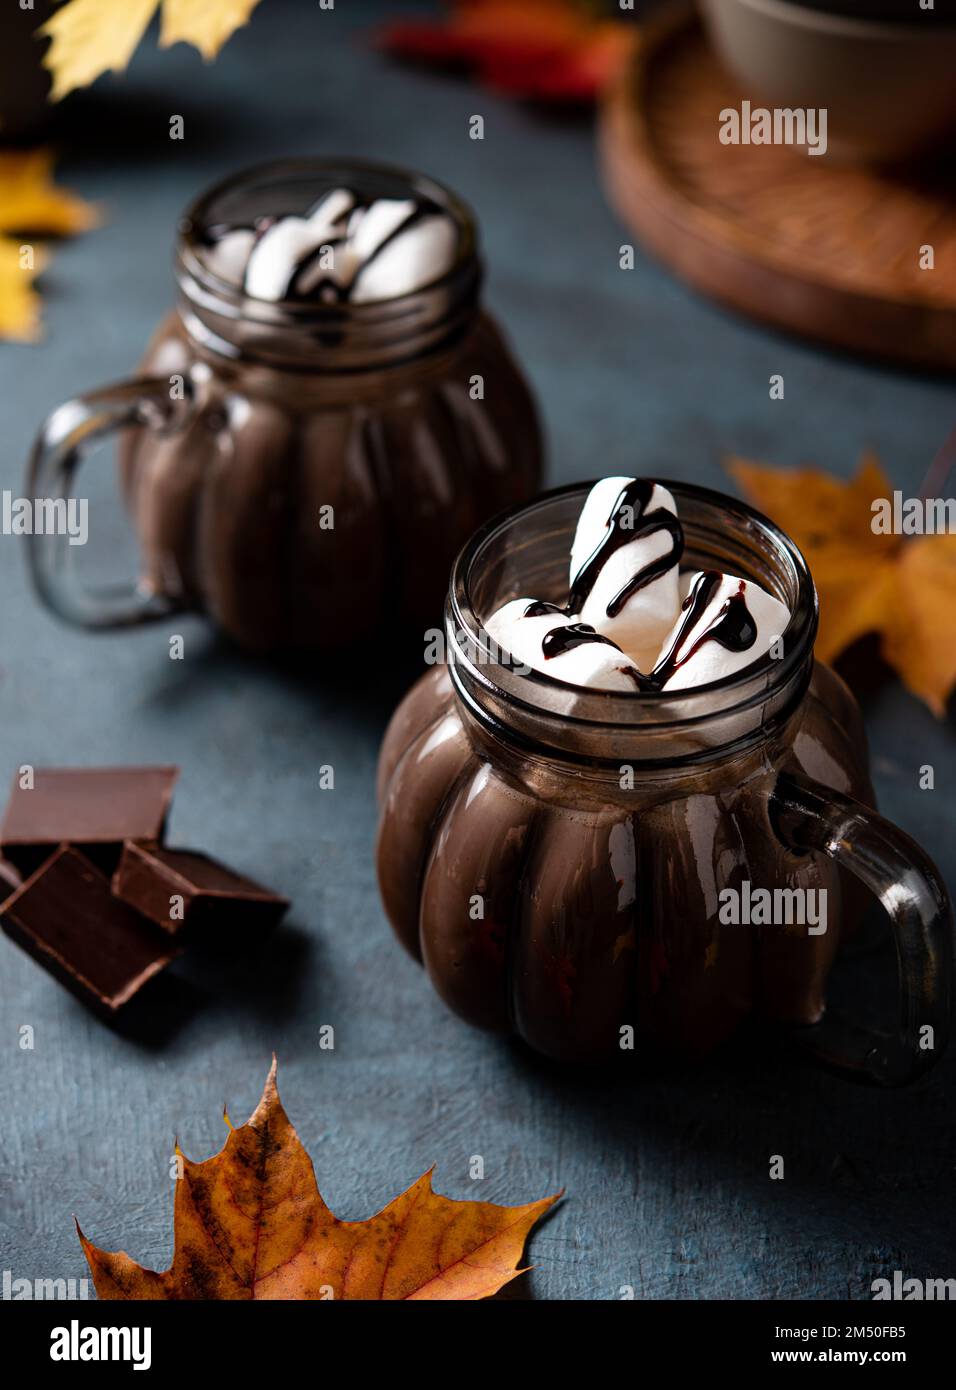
(558, 857)
(303, 460)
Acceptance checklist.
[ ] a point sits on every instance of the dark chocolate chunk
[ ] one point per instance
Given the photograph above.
(10, 878)
(179, 888)
(67, 919)
(93, 808)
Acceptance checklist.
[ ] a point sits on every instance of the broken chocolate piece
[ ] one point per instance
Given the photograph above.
(179, 888)
(67, 919)
(93, 808)
(10, 878)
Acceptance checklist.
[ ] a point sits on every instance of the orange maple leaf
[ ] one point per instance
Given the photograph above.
(250, 1223)
(900, 586)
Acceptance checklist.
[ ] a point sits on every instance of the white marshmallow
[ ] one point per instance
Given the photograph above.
(275, 255)
(649, 613)
(369, 253)
(415, 258)
(229, 256)
(354, 242)
(369, 227)
(594, 664)
(710, 660)
(278, 252)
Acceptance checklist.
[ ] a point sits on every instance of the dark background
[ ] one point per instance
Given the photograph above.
(666, 1177)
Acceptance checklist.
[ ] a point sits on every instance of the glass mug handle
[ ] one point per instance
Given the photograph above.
(65, 439)
(808, 816)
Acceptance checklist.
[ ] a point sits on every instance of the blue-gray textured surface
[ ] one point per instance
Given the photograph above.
(667, 1178)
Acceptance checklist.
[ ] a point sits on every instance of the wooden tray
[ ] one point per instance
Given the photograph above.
(830, 251)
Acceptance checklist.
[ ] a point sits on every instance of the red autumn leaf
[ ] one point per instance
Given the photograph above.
(551, 50)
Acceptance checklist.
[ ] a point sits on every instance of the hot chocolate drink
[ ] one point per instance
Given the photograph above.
(644, 828)
(318, 427)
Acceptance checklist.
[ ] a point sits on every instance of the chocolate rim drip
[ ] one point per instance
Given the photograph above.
(732, 628)
(635, 496)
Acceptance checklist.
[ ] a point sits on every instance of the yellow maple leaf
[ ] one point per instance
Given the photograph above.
(251, 1223)
(90, 37)
(19, 301)
(31, 202)
(204, 23)
(902, 587)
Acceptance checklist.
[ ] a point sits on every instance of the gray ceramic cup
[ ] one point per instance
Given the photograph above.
(888, 87)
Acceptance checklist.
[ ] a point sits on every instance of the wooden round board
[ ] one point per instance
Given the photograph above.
(827, 250)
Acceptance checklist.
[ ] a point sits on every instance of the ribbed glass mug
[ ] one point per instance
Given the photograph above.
(557, 857)
(405, 420)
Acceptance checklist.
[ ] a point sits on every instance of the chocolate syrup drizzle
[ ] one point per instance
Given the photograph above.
(732, 627)
(326, 287)
(564, 639)
(570, 635)
(540, 609)
(629, 521)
